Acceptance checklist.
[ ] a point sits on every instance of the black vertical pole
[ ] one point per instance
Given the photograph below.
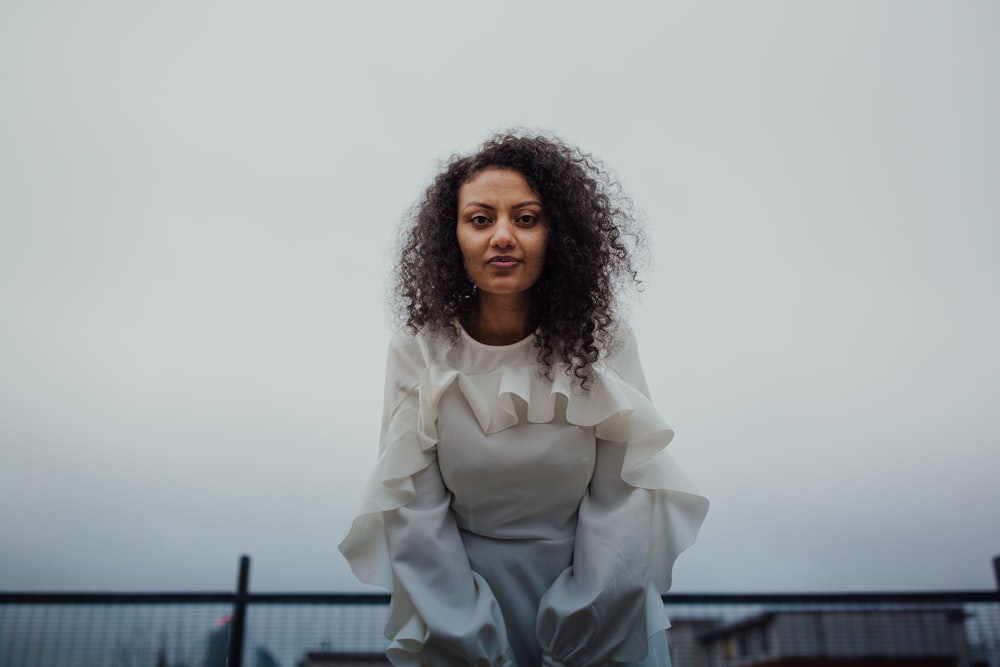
(996, 574)
(235, 657)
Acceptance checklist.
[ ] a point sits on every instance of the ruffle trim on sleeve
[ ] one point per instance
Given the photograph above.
(678, 509)
(405, 451)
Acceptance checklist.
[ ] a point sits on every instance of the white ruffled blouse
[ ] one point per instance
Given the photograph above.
(520, 521)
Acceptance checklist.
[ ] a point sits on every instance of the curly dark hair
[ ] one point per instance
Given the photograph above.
(590, 257)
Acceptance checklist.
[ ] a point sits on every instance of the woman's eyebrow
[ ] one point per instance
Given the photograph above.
(479, 204)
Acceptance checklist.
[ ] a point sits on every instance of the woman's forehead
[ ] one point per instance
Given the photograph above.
(496, 182)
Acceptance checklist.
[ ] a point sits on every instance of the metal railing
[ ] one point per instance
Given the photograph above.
(244, 629)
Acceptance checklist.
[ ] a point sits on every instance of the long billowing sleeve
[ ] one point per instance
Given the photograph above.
(462, 621)
(406, 539)
(597, 608)
(638, 514)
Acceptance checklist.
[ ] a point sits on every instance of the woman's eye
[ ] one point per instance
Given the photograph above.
(479, 220)
(527, 220)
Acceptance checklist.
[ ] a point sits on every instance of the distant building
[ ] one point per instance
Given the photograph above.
(217, 647)
(869, 638)
(262, 657)
(684, 637)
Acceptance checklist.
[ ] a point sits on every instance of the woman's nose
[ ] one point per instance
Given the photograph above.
(503, 233)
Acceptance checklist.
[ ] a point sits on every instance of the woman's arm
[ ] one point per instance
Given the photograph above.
(463, 622)
(597, 607)
(454, 613)
(638, 515)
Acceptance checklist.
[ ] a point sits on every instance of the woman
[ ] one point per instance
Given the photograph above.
(522, 510)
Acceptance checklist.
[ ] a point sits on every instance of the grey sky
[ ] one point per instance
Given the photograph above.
(197, 202)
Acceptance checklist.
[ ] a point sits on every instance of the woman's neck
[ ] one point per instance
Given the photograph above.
(500, 321)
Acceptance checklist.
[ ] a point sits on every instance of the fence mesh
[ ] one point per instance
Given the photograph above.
(301, 630)
(88, 632)
(285, 631)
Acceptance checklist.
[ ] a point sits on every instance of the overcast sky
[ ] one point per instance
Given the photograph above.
(198, 202)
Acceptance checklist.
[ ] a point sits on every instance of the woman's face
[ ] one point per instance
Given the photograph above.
(501, 231)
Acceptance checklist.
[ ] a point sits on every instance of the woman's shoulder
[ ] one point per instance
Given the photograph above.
(619, 343)
(622, 356)
(421, 347)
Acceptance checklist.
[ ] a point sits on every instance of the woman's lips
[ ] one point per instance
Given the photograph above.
(503, 262)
